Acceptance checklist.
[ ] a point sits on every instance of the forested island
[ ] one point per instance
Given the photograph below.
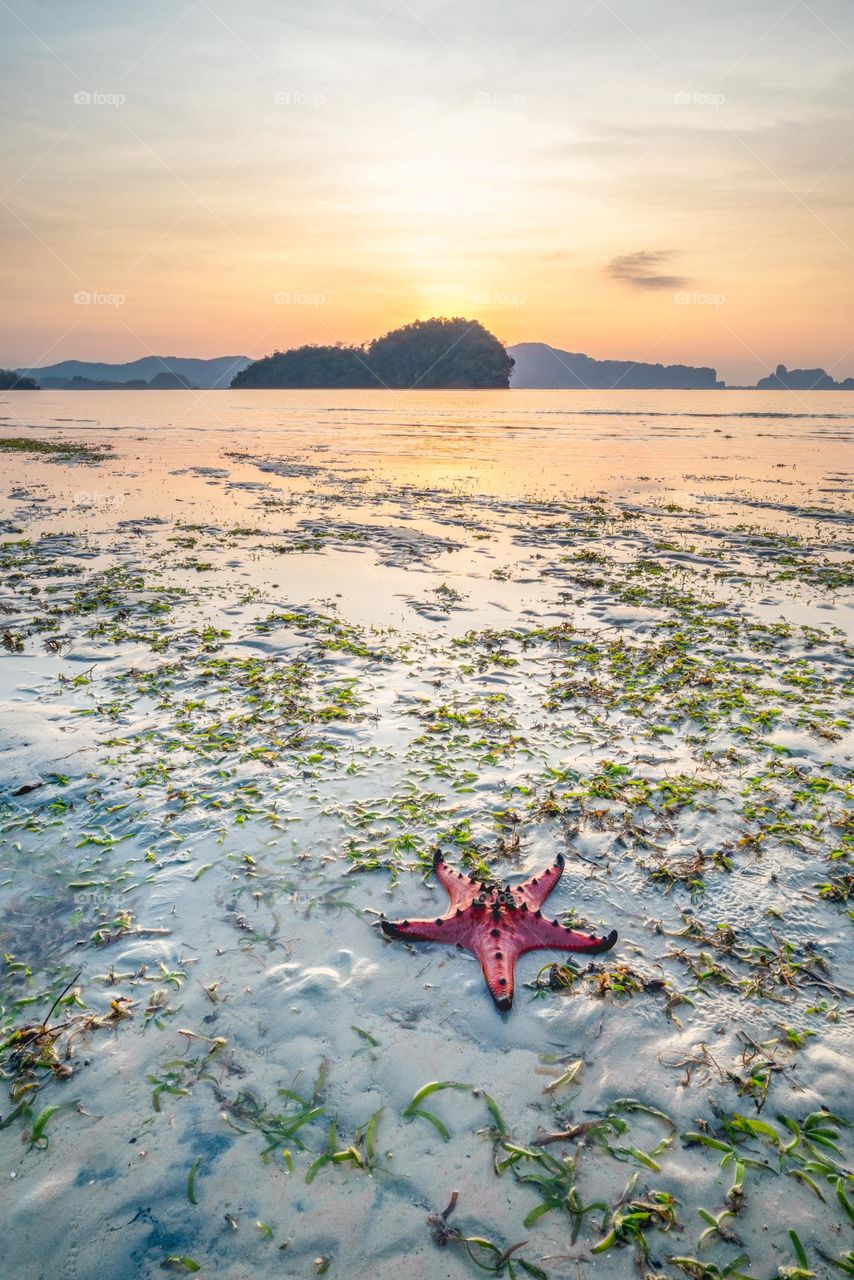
(428, 355)
(11, 380)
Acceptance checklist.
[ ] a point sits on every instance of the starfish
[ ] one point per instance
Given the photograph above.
(497, 923)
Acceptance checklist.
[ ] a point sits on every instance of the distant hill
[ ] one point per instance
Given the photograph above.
(217, 372)
(162, 381)
(540, 366)
(783, 379)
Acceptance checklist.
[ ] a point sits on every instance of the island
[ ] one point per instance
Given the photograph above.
(783, 379)
(435, 354)
(11, 380)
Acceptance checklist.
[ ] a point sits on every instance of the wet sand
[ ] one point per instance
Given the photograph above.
(262, 653)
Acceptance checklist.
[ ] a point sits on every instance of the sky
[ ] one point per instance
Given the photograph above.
(653, 181)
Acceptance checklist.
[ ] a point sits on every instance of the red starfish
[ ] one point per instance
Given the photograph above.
(497, 923)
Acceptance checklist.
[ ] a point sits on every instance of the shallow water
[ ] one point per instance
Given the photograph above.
(265, 655)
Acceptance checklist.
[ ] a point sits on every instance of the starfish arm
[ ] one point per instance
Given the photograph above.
(535, 932)
(498, 962)
(535, 891)
(441, 929)
(459, 888)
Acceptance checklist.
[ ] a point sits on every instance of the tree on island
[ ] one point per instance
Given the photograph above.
(440, 353)
(309, 367)
(426, 354)
(11, 380)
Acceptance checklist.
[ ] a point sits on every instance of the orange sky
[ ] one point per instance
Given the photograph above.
(631, 181)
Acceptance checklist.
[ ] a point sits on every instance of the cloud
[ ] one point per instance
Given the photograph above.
(640, 270)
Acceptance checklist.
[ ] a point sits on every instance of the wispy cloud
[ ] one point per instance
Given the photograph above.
(643, 270)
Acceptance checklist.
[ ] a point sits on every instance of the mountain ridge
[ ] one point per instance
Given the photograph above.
(211, 373)
(540, 366)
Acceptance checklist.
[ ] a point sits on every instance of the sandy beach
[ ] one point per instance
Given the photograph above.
(263, 652)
